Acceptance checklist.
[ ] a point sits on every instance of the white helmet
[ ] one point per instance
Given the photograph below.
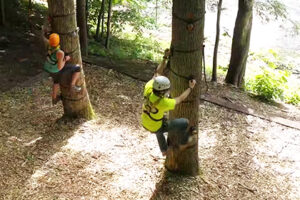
(161, 83)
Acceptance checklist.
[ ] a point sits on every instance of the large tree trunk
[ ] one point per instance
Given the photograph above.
(215, 58)
(186, 48)
(2, 10)
(108, 24)
(100, 16)
(64, 23)
(81, 21)
(240, 44)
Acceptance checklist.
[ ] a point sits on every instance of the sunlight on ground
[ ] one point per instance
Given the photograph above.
(112, 155)
(279, 153)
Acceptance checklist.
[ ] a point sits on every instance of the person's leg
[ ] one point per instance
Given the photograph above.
(75, 76)
(180, 128)
(55, 89)
(161, 139)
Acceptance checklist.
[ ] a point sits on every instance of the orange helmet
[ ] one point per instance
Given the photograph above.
(54, 40)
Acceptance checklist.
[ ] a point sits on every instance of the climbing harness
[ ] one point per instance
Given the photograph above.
(51, 52)
(151, 107)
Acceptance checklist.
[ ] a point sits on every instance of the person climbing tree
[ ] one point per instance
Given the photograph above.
(156, 104)
(55, 65)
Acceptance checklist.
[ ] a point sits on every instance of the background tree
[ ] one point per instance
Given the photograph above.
(81, 22)
(2, 15)
(215, 56)
(63, 22)
(108, 23)
(100, 19)
(240, 43)
(186, 47)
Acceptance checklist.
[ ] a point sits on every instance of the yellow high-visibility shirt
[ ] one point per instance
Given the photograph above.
(164, 105)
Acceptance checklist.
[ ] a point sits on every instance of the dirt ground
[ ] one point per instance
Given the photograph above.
(113, 157)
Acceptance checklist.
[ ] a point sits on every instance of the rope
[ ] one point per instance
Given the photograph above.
(188, 21)
(70, 99)
(175, 73)
(62, 15)
(187, 51)
(73, 33)
(71, 52)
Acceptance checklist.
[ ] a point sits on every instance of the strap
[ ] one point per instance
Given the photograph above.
(188, 21)
(62, 15)
(157, 120)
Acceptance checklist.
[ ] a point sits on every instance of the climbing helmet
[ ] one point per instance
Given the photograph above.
(54, 40)
(161, 83)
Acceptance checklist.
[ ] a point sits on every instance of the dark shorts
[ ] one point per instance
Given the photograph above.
(56, 76)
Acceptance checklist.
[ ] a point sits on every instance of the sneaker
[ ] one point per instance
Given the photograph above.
(76, 88)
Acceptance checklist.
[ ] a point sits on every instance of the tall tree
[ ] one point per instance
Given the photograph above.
(240, 43)
(186, 48)
(100, 17)
(2, 15)
(108, 24)
(215, 58)
(81, 21)
(64, 23)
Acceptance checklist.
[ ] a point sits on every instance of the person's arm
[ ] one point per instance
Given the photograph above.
(186, 93)
(160, 69)
(61, 59)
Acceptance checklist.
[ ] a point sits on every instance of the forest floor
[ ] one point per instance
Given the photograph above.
(113, 157)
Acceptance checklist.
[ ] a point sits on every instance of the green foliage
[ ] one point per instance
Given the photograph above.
(269, 85)
(130, 46)
(273, 82)
(271, 9)
(293, 97)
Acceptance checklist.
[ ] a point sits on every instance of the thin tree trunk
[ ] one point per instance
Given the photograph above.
(215, 58)
(2, 12)
(100, 16)
(81, 21)
(64, 23)
(87, 16)
(240, 44)
(102, 25)
(108, 24)
(187, 42)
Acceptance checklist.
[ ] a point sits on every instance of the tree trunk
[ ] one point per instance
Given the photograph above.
(100, 16)
(64, 23)
(240, 44)
(215, 58)
(108, 24)
(87, 16)
(102, 25)
(81, 21)
(186, 48)
(2, 10)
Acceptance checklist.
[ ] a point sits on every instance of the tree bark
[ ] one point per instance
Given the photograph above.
(64, 23)
(81, 22)
(108, 24)
(215, 58)
(240, 43)
(186, 48)
(2, 10)
(100, 16)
